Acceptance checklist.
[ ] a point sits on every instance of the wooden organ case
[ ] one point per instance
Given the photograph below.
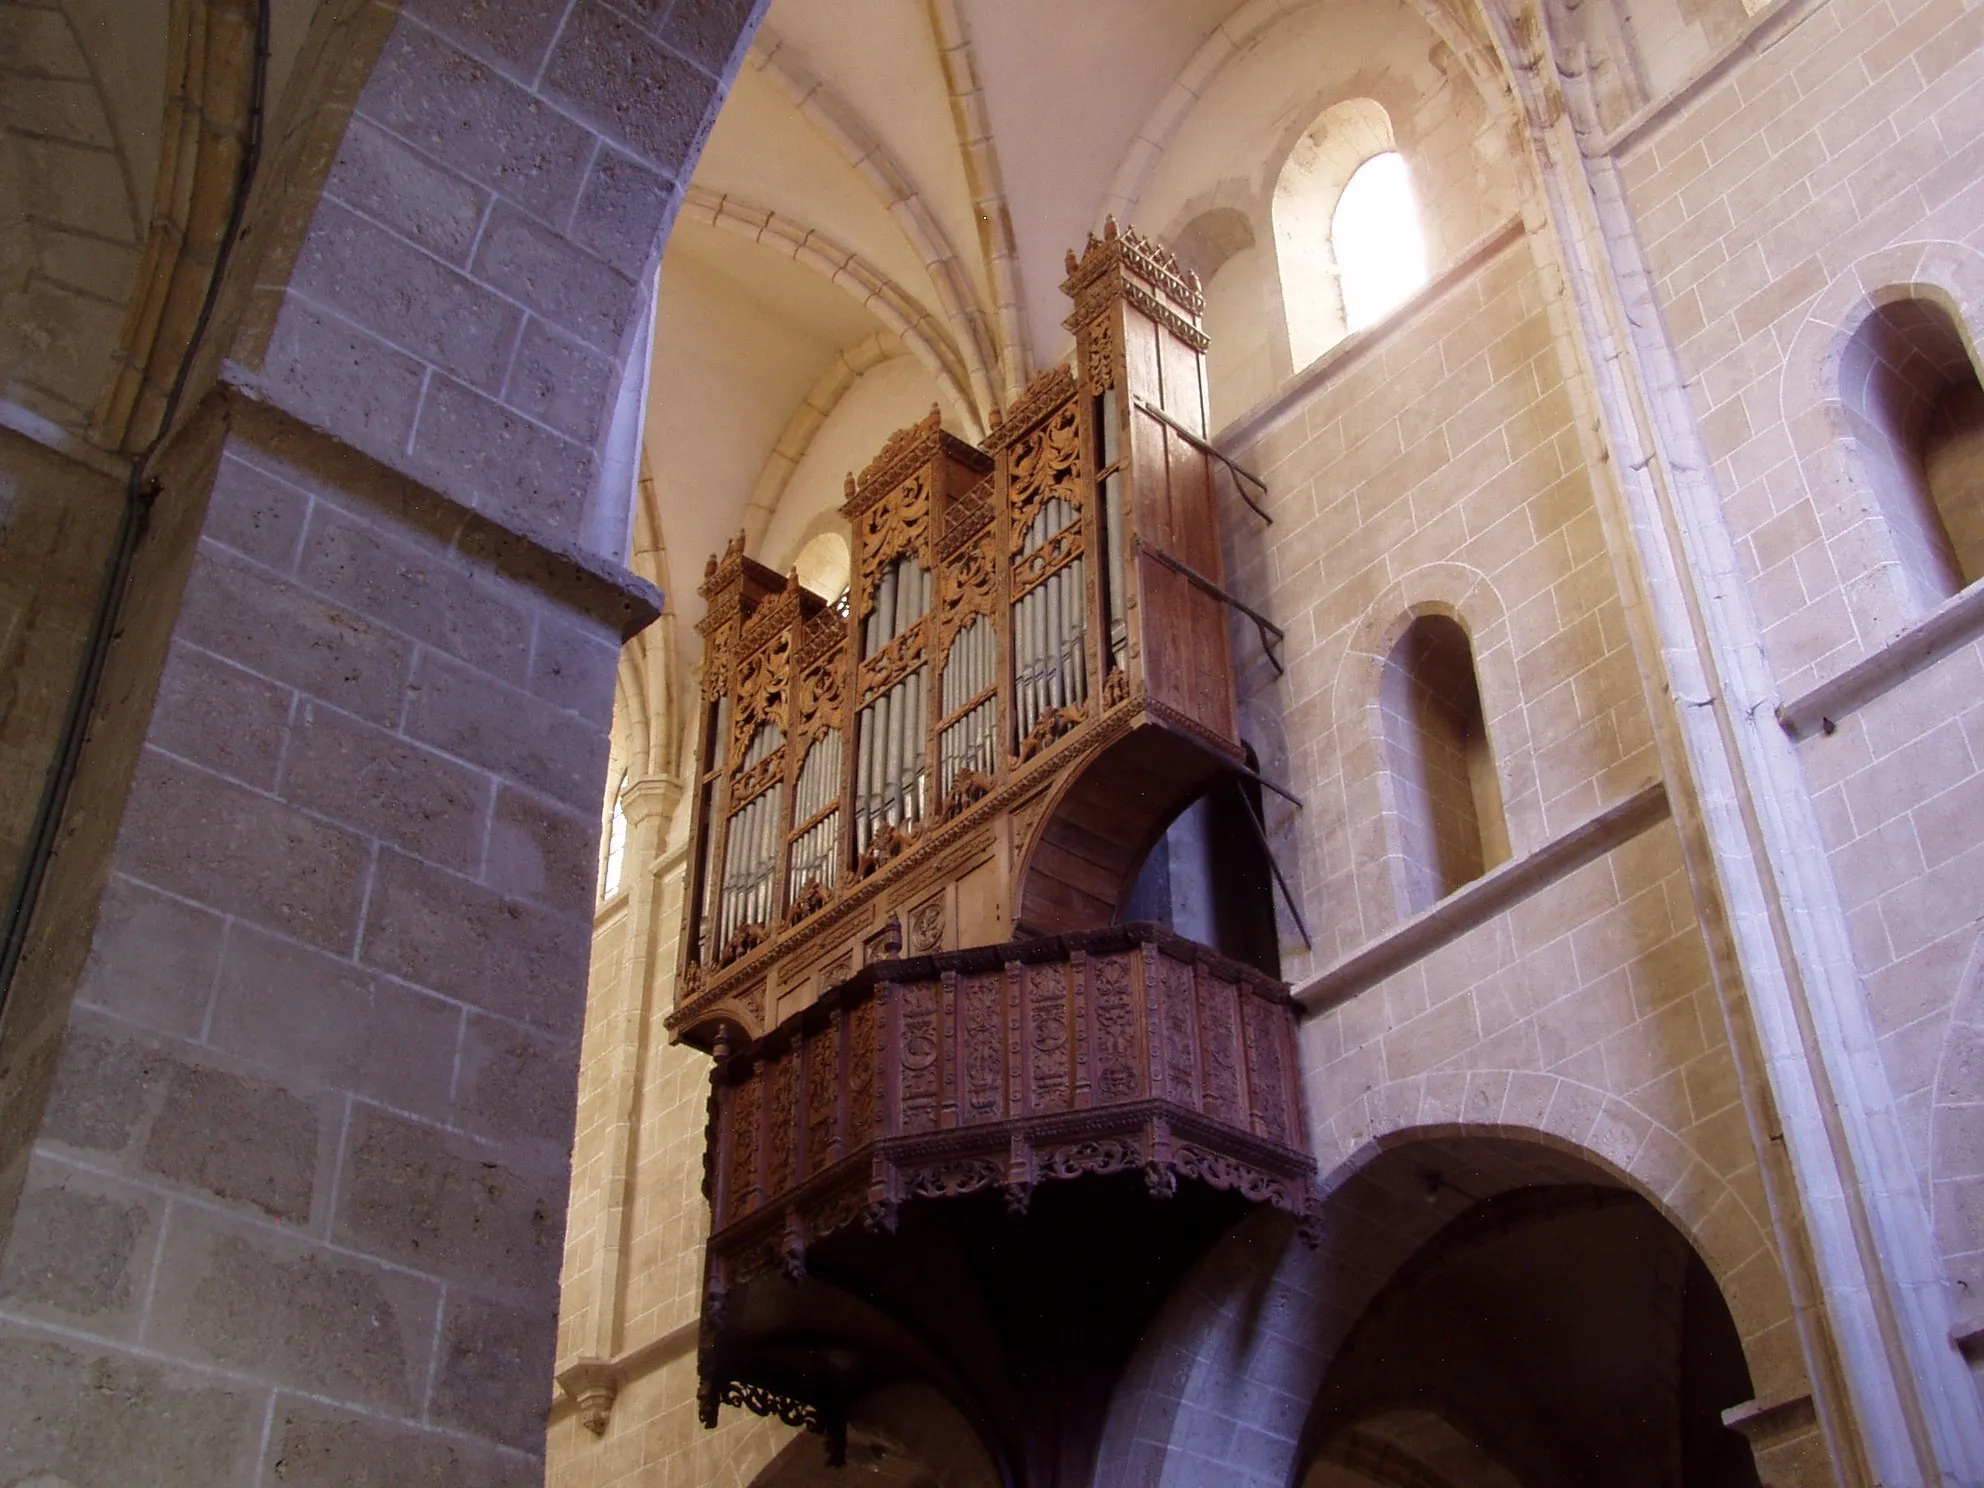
(917, 819)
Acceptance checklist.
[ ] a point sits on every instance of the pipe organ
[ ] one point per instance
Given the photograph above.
(917, 818)
(1022, 691)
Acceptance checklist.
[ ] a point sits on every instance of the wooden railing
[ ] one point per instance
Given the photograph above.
(1003, 1067)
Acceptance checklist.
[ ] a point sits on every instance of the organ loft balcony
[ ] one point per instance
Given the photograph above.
(965, 1126)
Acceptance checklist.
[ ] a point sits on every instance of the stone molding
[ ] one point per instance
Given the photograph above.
(1301, 390)
(1475, 904)
(1954, 623)
(590, 1387)
(557, 567)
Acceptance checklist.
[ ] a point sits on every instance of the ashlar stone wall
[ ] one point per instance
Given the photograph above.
(1837, 169)
(292, 1056)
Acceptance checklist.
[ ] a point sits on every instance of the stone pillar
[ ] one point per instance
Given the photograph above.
(632, 970)
(287, 1076)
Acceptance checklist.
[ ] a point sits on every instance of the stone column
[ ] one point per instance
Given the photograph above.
(287, 1076)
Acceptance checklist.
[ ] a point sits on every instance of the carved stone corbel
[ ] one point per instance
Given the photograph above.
(592, 1386)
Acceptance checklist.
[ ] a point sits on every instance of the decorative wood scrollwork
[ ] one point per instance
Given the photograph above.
(1098, 1158)
(926, 928)
(893, 527)
(769, 1404)
(1218, 1170)
(1047, 465)
(1099, 365)
(1052, 725)
(953, 1180)
(820, 695)
(760, 693)
(969, 788)
(969, 585)
(1048, 391)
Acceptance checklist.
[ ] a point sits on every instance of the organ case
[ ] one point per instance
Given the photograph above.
(1030, 677)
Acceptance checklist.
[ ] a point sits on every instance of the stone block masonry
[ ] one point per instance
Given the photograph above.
(287, 1076)
(309, 1125)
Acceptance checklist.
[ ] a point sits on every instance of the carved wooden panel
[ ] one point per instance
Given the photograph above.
(983, 1036)
(861, 1107)
(744, 1187)
(917, 1058)
(822, 1097)
(926, 927)
(1179, 1032)
(782, 1127)
(1114, 1053)
(1266, 1079)
(1050, 1057)
(1220, 1043)
(922, 1057)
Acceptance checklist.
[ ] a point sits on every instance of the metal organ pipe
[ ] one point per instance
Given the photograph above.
(750, 856)
(816, 851)
(1048, 670)
(967, 742)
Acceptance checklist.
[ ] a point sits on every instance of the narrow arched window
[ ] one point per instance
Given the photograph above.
(1446, 800)
(616, 844)
(1380, 250)
(1915, 411)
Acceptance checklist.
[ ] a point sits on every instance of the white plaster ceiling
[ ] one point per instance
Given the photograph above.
(1069, 83)
(743, 333)
(854, 127)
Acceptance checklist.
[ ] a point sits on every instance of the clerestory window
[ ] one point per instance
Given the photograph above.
(1380, 250)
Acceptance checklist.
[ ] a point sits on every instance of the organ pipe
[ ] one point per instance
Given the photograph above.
(1048, 621)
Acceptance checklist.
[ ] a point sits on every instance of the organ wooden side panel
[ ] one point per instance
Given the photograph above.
(1031, 677)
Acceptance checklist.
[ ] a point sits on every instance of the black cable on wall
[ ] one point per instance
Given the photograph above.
(140, 491)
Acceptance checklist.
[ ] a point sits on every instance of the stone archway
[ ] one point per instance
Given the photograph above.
(1245, 1350)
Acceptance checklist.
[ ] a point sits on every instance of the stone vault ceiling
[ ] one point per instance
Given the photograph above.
(877, 223)
(922, 165)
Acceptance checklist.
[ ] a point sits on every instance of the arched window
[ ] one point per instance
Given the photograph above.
(616, 844)
(1242, 308)
(1346, 228)
(1380, 251)
(1445, 797)
(1915, 411)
